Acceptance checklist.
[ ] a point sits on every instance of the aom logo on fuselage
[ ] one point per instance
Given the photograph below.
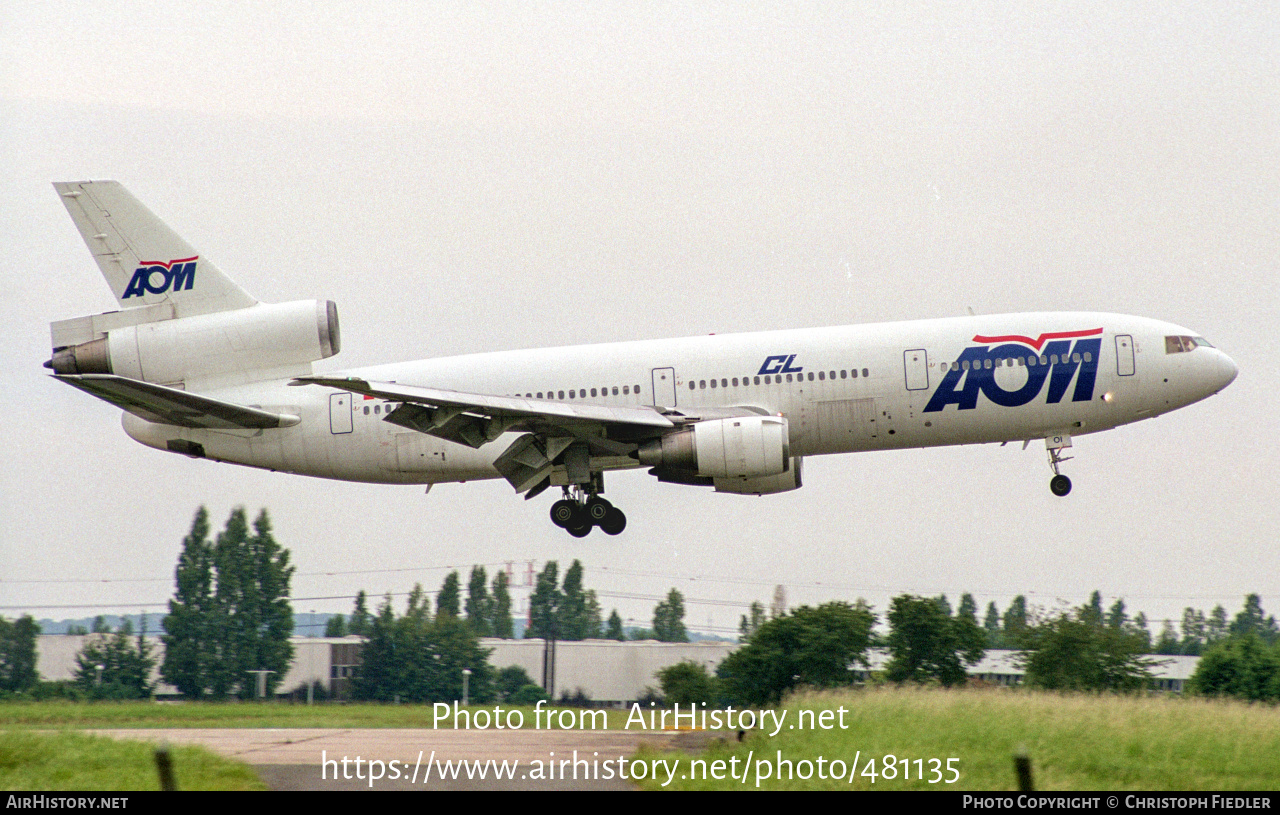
(1051, 356)
(157, 277)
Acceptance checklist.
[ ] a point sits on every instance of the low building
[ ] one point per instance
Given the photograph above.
(606, 671)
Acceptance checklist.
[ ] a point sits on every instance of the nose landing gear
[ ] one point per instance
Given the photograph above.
(579, 513)
(1059, 485)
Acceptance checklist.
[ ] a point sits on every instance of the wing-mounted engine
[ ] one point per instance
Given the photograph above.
(741, 454)
(149, 344)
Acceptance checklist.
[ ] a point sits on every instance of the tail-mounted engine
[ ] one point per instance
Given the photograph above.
(148, 344)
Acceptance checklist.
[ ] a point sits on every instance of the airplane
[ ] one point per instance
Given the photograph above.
(203, 369)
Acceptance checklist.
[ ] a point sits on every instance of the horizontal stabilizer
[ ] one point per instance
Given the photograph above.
(157, 403)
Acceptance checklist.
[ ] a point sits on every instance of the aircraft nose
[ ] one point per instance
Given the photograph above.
(1225, 371)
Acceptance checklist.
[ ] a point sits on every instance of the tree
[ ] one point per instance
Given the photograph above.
(360, 619)
(479, 604)
(1117, 617)
(1253, 620)
(1014, 623)
(18, 654)
(415, 658)
(968, 608)
(230, 613)
(591, 615)
(668, 619)
(688, 683)
(449, 598)
(544, 605)
(926, 644)
(574, 619)
(1074, 651)
(810, 646)
(1091, 613)
(189, 625)
(336, 626)
(1216, 626)
(500, 608)
(991, 624)
(114, 666)
(613, 630)
(751, 622)
(1168, 642)
(510, 681)
(1242, 666)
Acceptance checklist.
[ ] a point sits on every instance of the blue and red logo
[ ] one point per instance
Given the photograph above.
(1051, 356)
(158, 277)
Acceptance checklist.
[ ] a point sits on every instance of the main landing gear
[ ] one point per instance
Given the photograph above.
(1059, 485)
(579, 513)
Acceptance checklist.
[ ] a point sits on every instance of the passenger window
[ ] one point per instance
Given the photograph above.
(864, 372)
(702, 384)
(637, 387)
(713, 383)
(377, 409)
(844, 374)
(757, 380)
(1088, 356)
(366, 410)
(735, 381)
(561, 394)
(692, 384)
(1075, 357)
(615, 390)
(854, 373)
(821, 375)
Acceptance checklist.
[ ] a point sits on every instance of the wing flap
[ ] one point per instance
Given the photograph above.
(157, 403)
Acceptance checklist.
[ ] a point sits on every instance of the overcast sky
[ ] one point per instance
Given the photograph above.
(465, 177)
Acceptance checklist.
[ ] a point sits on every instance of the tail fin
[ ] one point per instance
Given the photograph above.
(144, 261)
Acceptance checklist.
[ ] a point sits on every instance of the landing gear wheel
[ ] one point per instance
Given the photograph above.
(564, 512)
(597, 509)
(1060, 485)
(579, 531)
(614, 522)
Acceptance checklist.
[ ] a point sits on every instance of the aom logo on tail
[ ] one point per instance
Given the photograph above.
(1051, 356)
(157, 277)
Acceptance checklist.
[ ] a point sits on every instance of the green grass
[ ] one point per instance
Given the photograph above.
(1075, 742)
(66, 714)
(76, 761)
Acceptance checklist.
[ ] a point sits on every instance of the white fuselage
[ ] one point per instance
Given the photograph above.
(845, 389)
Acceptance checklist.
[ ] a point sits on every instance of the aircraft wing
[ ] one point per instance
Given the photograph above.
(157, 403)
(475, 419)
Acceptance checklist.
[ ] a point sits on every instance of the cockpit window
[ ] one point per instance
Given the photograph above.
(1178, 345)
